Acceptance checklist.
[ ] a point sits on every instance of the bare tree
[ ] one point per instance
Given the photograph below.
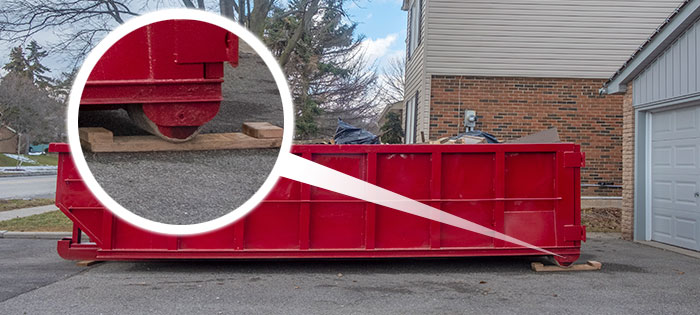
(29, 110)
(394, 80)
(78, 24)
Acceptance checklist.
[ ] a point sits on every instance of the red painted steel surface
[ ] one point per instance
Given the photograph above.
(173, 69)
(528, 191)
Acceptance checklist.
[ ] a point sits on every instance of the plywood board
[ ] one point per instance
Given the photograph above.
(263, 130)
(102, 140)
(589, 266)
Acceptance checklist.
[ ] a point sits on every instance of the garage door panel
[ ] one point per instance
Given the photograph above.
(662, 225)
(686, 156)
(663, 124)
(662, 191)
(676, 124)
(685, 193)
(686, 120)
(662, 156)
(686, 229)
(675, 177)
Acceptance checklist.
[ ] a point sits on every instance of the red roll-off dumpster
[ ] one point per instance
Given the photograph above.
(167, 75)
(528, 191)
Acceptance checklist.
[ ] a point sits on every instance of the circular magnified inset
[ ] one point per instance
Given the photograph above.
(175, 121)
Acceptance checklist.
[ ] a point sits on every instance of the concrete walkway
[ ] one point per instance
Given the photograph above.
(20, 213)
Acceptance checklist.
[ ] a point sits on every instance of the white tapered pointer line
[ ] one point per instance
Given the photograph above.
(311, 173)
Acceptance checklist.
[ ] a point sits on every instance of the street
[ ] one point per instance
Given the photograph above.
(635, 279)
(28, 187)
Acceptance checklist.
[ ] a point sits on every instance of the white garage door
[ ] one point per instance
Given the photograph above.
(675, 177)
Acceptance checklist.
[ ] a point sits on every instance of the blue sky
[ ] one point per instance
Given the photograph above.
(384, 25)
(382, 22)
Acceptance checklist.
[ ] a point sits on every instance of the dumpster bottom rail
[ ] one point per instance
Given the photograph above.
(70, 250)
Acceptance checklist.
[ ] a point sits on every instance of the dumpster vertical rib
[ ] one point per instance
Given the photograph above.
(305, 211)
(562, 205)
(499, 192)
(107, 230)
(435, 194)
(239, 234)
(371, 208)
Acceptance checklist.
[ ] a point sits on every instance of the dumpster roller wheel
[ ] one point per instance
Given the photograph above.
(566, 260)
(174, 122)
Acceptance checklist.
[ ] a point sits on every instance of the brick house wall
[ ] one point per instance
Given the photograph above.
(511, 107)
(627, 220)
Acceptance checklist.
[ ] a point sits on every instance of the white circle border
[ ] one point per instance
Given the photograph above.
(77, 91)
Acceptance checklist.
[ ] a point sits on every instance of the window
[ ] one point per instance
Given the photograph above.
(411, 119)
(414, 27)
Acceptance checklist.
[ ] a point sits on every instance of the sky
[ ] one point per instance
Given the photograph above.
(382, 22)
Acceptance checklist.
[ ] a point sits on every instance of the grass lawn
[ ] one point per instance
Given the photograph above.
(54, 221)
(41, 160)
(12, 204)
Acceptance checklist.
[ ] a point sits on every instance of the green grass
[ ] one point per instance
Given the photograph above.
(12, 204)
(41, 160)
(54, 221)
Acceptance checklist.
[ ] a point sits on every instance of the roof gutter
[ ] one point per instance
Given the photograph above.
(674, 26)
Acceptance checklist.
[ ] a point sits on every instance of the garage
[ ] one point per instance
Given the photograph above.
(675, 177)
(661, 133)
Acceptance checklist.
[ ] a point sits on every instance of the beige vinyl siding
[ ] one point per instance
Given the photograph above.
(537, 38)
(416, 81)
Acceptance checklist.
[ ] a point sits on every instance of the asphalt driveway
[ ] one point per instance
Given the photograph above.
(635, 279)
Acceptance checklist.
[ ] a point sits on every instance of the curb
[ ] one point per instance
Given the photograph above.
(35, 235)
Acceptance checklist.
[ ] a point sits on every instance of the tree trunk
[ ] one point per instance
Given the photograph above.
(258, 16)
(241, 12)
(304, 24)
(226, 8)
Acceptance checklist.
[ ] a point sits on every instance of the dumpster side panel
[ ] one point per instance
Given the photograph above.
(408, 174)
(526, 191)
(468, 176)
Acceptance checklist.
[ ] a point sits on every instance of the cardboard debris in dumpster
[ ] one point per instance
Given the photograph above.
(545, 136)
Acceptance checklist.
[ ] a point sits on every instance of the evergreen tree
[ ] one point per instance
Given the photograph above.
(34, 66)
(392, 132)
(27, 63)
(18, 64)
(326, 68)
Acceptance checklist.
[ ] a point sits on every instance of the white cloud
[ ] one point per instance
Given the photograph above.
(376, 49)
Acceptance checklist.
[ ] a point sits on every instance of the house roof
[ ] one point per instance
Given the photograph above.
(663, 36)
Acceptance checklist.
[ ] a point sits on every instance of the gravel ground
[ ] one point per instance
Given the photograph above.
(197, 186)
(182, 187)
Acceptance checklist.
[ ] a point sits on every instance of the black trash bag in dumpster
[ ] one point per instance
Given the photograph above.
(349, 134)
